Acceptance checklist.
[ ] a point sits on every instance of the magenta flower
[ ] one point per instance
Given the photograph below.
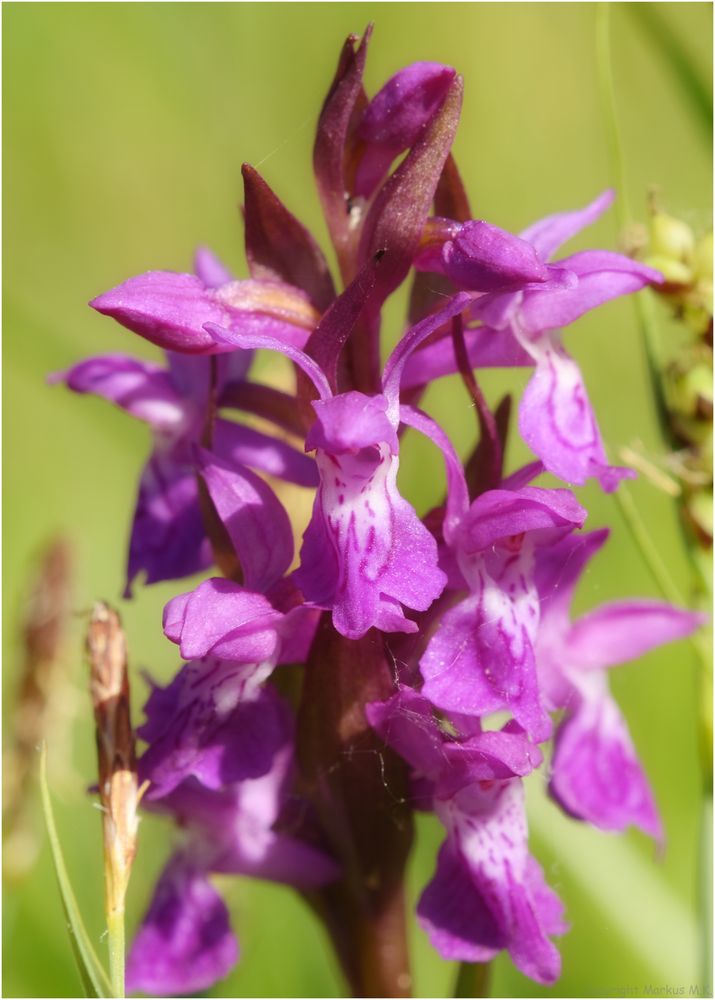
(481, 658)
(525, 302)
(185, 943)
(595, 774)
(487, 893)
(168, 538)
(396, 637)
(365, 552)
(220, 761)
(170, 309)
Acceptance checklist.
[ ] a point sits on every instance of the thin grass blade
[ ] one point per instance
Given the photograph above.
(94, 978)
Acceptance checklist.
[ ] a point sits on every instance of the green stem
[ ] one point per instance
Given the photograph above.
(610, 117)
(647, 547)
(115, 941)
(473, 979)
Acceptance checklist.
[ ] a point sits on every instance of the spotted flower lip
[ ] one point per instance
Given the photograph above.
(477, 906)
(220, 759)
(214, 723)
(481, 657)
(557, 421)
(365, 552)
(487, 893)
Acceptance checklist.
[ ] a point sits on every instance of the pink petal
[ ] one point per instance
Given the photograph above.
(557, 422)
(625, 630)
(184, 944)
(596, 775)
(547, 235)
(254, 518)
(222, 618)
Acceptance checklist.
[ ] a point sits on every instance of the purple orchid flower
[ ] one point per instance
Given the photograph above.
(223, 619)
(488, 893)
(365, 552)
(168, 538)
(401, 631)
(170, 309)
(394, 118)
(214, 722)
(481, 656)
(220, 761)
(185, 943)
(262, 622)
(522, 303)
(595, 773)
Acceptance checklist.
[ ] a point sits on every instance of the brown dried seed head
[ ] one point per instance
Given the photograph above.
(109, 689)
(107, 653)
(39, 701)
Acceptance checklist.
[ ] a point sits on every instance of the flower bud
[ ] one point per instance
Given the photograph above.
(699, 511)
(690, 393)
(669, 237)
(703, 258)
(674, 271)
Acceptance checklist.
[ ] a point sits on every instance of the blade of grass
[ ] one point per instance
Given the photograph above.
(94, 978)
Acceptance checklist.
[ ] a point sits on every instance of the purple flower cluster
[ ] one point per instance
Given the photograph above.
(411, 632)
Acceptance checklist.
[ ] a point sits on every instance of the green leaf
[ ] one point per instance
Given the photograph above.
(94, 978)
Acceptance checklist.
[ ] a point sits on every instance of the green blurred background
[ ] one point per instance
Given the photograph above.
(125, 128)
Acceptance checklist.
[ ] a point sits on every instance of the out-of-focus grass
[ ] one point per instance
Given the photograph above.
(125, 128)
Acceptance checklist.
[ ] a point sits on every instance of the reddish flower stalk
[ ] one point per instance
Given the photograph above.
(360, 791)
